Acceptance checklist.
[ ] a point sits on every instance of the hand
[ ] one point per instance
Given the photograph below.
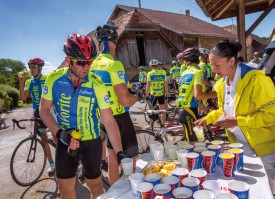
(200, 122)
(227, 121)
(74, 144)
(64, 136)
(120, 155)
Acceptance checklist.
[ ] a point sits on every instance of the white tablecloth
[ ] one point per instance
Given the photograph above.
(254, 174)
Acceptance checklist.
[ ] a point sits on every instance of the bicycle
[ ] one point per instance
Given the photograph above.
(28, 160)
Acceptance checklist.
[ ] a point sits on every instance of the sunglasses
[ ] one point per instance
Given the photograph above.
(33, 66)
(82, 62)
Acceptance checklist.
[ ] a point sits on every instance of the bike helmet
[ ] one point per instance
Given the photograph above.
(174, 63)
(179, 56)
(80, 47)
(36, 61)
(153, 62)
(107, 32)
(268, 61)
(204, 51)
(141, 68)
(191, 55)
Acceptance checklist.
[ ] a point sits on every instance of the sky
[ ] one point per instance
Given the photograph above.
(39, 28)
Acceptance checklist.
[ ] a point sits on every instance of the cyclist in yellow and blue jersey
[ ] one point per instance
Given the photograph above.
(190, 92)
(112, 73)
(181, 62)
(256, 58)
(34, 87)
(174, 74)
(78, 95)
(142, 75)
(157, 87)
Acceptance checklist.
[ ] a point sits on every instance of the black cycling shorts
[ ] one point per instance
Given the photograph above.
(159, 99)
(89, 153)
(187, 117)
(127, 133)
(40, 124)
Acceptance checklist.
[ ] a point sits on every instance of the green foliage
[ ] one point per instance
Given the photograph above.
(8, 71)
(10, 96)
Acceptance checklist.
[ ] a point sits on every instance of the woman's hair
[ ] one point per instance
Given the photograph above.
(240, 59)
(227, 49)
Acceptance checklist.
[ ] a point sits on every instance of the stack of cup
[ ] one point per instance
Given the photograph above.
(192, 161)
(181, 154)
(209, 162)
(238, 159)
(135, 179)
(227, 160)
(199, 150)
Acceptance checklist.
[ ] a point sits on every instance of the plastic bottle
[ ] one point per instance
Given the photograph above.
(76, 134)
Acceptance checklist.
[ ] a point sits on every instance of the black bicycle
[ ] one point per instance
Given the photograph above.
(28, 160)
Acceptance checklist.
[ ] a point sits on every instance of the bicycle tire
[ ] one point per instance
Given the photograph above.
(172, 100)
(146, 108)
(143, 139)
(175, 136)
(26, 172)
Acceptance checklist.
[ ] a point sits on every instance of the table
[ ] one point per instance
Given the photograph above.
(254, 174)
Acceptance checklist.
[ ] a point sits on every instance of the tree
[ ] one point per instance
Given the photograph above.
(8, 71)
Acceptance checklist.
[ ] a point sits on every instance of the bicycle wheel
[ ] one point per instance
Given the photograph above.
(146, 117)
(172, 100)
(143, 139)
(28, 161)
(175, 136)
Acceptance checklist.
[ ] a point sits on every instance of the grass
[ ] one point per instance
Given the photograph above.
(21, 104)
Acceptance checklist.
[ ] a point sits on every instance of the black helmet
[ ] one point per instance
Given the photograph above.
(106, 32)
(191, 54)
(80, 47)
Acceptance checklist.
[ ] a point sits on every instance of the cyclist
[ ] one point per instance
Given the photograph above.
(190, 92)
(256, 59)
(112, 74)
(34, 87)
(142, 80)
(174, 74)
(157, 88)
(181, 62)
(78, 95)
(246, 103)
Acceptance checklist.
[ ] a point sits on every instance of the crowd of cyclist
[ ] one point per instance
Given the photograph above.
(93, 90)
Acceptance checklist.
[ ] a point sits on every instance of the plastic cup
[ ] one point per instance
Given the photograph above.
(173, 181)
(200, 174)
(200, 144)
(181, 154)
(181, 173)
(152, 144)
(171, 149)
(162, 190)
(227, 160)
(217, 150)
(192, 161)
(145, 190)
(158, 153)
(218, 142)
(203, 194)
(153, 178)
(213, 186)
(135, 179)
(165, 146)
(181, 144)
(238, 163)
(199, 150)
(199, 133)
(191, 183)
(127, 165)
(209, 163)
(239, 188)
(226, 196)
(188, 147)
(182, 193)
(235, 146)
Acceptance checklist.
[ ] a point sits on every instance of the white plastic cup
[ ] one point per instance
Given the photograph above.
(203, 194)
(200, 174)
(171, 149)
(135, 179)
(145, 190)
(199, 133)
(218, 142)
(158, 153)
(181, 144)
(213, 186)
(191, 183)
(235, 146)
(166, 144)
(152, 144)
(200, 144)
(239, 188)
(192, 161)
(173, 181)
(226, 196)
(181, 173)
(153, 178)
(182, 192)
(181, 154)
(127, 165)
(162, 190)
(188, 147)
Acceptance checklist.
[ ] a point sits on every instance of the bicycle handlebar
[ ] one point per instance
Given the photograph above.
(17, 122)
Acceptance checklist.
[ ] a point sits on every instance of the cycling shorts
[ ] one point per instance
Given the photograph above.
(89, 153)
(187, 117)
(128, 135)
(40, 126)
(159, 99)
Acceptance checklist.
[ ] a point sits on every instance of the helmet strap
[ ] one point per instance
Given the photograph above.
(105, 46)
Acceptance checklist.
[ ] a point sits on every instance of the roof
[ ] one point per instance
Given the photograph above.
(221, 9)
(178, 23)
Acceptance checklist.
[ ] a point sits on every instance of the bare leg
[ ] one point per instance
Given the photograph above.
(47, 148)
(66, 187)
(113, 171)
(95, 186)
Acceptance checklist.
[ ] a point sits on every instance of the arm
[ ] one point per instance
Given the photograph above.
(111, 129)
(166, 88)
(199, 95)
(22, 93)
(125, 98)
(148, 84)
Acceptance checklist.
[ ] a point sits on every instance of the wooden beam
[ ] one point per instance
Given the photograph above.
(227, 5)
(214, 5)
(254, 3)
(260, 19)
(241, 27)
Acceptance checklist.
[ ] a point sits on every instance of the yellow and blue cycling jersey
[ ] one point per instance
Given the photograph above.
(35, 87)
(175, 72)
(183, 67)
(142, 76)
(157, 79)
(111, 73)
(206, 69)
(190, 77)
(77, 107)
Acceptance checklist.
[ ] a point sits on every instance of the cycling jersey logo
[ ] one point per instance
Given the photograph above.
(107, 99)
(64, 107)
(85, 92)
(119, 109)
(45, 91)
(120, 74)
